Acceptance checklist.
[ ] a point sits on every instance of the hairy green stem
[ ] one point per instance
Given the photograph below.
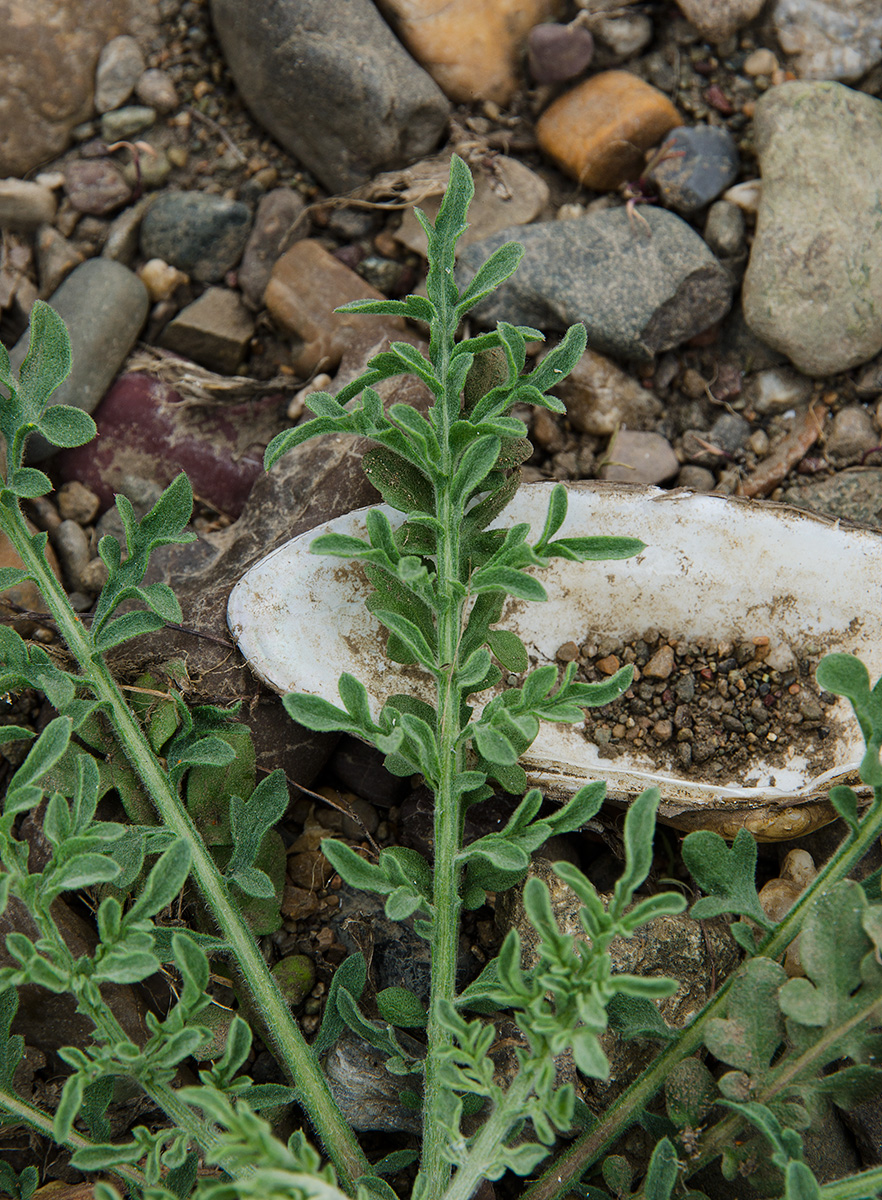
(855, 1187)
(493, 1132)
(582, 1154)
(280, 1028)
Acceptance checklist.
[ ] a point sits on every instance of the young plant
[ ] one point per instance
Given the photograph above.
(785, 1047)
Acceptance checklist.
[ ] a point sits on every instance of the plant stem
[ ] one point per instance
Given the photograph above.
(281, 1031)
(496, 1128)
(582, 1154)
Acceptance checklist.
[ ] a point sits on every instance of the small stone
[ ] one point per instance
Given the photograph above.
(56, 258)
(729, 433)
(72, 547)
(307, 284)
(637, 457)
(851, 435)
(760, 62)
(472, 51)
(295, 975)
(717, 20)
(868, 384)
(697, 479)
(833, 39)
(201, 234)
(152, 171)
(509, 195)
(370, 107)
(724, 229)
(25, 206)
(77, 503)
(799, 867)
(156, 90)
(696, 164)
(813, 287)
(777, 897)
(599, 130)
(661, 664)
(663, 731)
(124, 124)
(600, 397)
(310, 870)
(621, 34)
(104, 306)
(161, 279)
(556, 53)
(546, 432)
(568, 652)
(278, 222)
(120, 66)
(298, 904)
(121, 243)
(745, 195)
(382, 273)
(609, 666)
(777, 389)
(95, 186)
(214, 330)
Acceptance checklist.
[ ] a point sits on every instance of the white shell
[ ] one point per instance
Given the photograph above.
(714, 567)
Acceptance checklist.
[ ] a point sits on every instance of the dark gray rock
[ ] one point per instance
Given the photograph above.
(104, 306)
(639, 289)
(698, 164)
(724, 230)
(855, 495)
(332, 83)
(201, 234)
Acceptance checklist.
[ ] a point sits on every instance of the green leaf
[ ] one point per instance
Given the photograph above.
(48, 360)
(42, 756)
(475, 465)
(494, 746)
(168, 876)
(288, 439)
(637, 1016)
(578, 811)
(492, 272)
(401, 484)
(317, 714)
(64, 426)
(11, 577)
(845, 801)
(351, 975)
(409, 635)
(638, 835)
(750, 1035)
(557, 512)
(402, 1008)
(129, 625)
(727, 875)
(355, 870)
(508, 649)
(418, 308)
(506, 579)
(82, 872)
(662, 1174)
(68, 1106)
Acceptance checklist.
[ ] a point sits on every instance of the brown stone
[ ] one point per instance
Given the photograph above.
(214, 330)
(471, 48)
(599, 131)
(660, 665)
(636, 457)
(48, 53)
(306, 286)
(310, 870)
(608, 665)
(25, 595)
(600, 397)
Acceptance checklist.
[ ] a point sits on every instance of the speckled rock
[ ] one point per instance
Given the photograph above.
(718, 19)
(599, 130)
(120, 66)
(471, 48)
(635, 456)
(332, 84)
(48, 53)
(697, 165)
(104, 306)
(832, 39)
(855, 494)
(637, 291)
(201, 234)
(813, 287)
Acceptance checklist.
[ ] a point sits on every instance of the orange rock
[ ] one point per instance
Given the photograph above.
(599, 131)
(306, 285)
(26, 594)
(471, 48)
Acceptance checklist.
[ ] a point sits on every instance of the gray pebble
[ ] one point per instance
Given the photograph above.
(121, 243)
(25, 206)
(95, 186)
(156, 89)
(104, 306)
(277, 224)
(777, 389)
(638, 291)
(72, 548)
(697, 163)
(123, 124)
(834, 39)
(855, 494)
(698, 479)
(120, 65)
(851, 435)
(201, 234)
(730, 432)
(724, 229)
(637, 457)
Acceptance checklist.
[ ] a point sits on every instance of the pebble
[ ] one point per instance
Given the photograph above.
(48, 51)
(813, 286)
(201, 234)
(509, 195)
(600, 397)
(307, 284)
(717, 20)
(760, 62)
(472, 51)
(146, 435)
(123, 236)
(72, 547)
(776, 389)
(56, 258)
(725, 230)
(696, 165)
(745, 195)
(277, 224)
(25, 594)
(855, 494)
(214, 331)
(638, 457)
(120, 66)
(104, 306)
(25, 206)
(621, 34)
(345, 98)
(161, 279)
(77, 503)
(95, 186)
(156, 90)
(832, 39)
(697, 479)
(852, 434)
(661, 664)
(637, 292)
(556, 53)
(598, 131)
(123, 124)
(869, 382)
